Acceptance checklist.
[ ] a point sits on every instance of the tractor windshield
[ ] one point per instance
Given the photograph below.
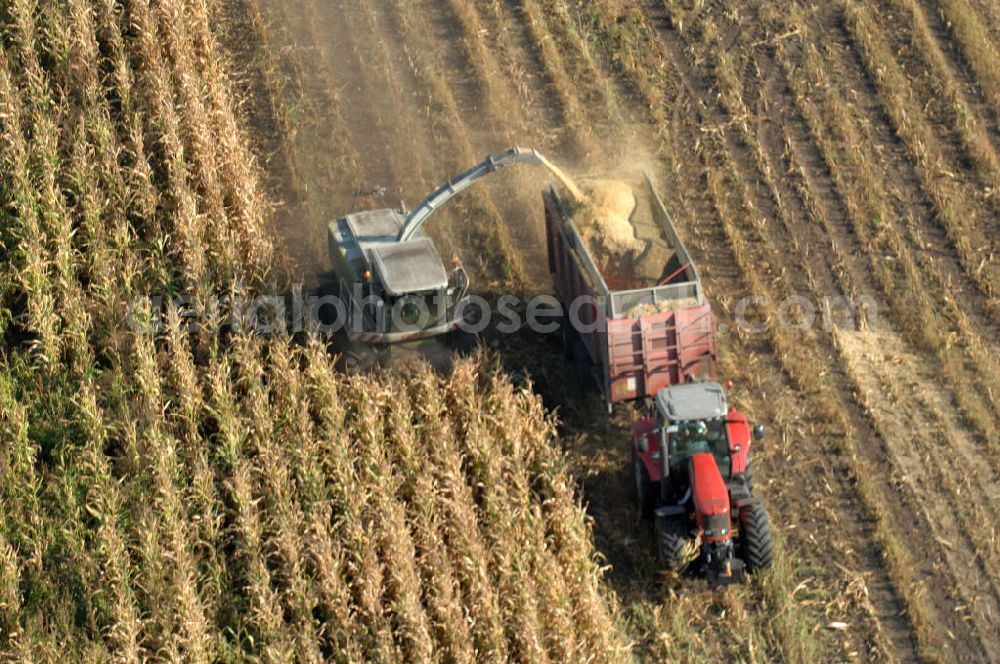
(702, 436)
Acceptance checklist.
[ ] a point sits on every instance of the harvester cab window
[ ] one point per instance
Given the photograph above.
(415, 311)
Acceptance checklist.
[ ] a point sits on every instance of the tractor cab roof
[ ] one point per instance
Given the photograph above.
(368, 241)
(691, 402)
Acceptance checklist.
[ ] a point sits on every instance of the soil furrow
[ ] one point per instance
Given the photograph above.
(359, 78)
(959, 68)
(980, 311)
(916, 465)
(914, 201)
(536, 103)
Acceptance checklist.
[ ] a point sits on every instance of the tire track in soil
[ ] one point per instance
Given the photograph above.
(988, 12)
(985, 477)
(972, 94)
(819, 180)
(601, 100)
(538, 114)
(809, 241)
(924, 84)
(790, 118)
(937, 108)
(313, 178)
(363, 87)
(978, 331)
(905, 423)
(927, 237)
(577, 138)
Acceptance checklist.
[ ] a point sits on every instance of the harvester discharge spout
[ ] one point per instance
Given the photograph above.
(416, 218)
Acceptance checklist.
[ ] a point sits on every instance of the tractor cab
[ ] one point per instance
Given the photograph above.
(693, 419)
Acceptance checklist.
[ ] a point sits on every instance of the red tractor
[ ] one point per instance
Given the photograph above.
(693, 476)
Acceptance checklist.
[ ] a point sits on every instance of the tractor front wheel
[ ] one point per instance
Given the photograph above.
(671, 536)
(758, 549)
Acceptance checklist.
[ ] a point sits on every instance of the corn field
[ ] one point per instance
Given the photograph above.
(212, 495)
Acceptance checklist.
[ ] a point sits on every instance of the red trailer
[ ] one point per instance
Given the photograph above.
(638, 325)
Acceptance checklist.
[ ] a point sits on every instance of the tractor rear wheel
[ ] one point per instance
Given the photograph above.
(671, 536)
(755, 527)
(645, 488)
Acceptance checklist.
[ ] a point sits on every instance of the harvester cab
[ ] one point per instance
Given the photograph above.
(396, 295)
(693, 476)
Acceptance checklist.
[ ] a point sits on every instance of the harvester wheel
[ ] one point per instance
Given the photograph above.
(758, 549)
(671, 536)
(353, 362)
(645, 488)
(463, 342)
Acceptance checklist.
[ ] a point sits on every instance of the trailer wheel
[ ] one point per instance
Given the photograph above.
(755, 536)
(645, 488)
(671, 536)
(568, 338)
(584, 365)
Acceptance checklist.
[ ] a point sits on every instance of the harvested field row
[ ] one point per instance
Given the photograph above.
(961, 380)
